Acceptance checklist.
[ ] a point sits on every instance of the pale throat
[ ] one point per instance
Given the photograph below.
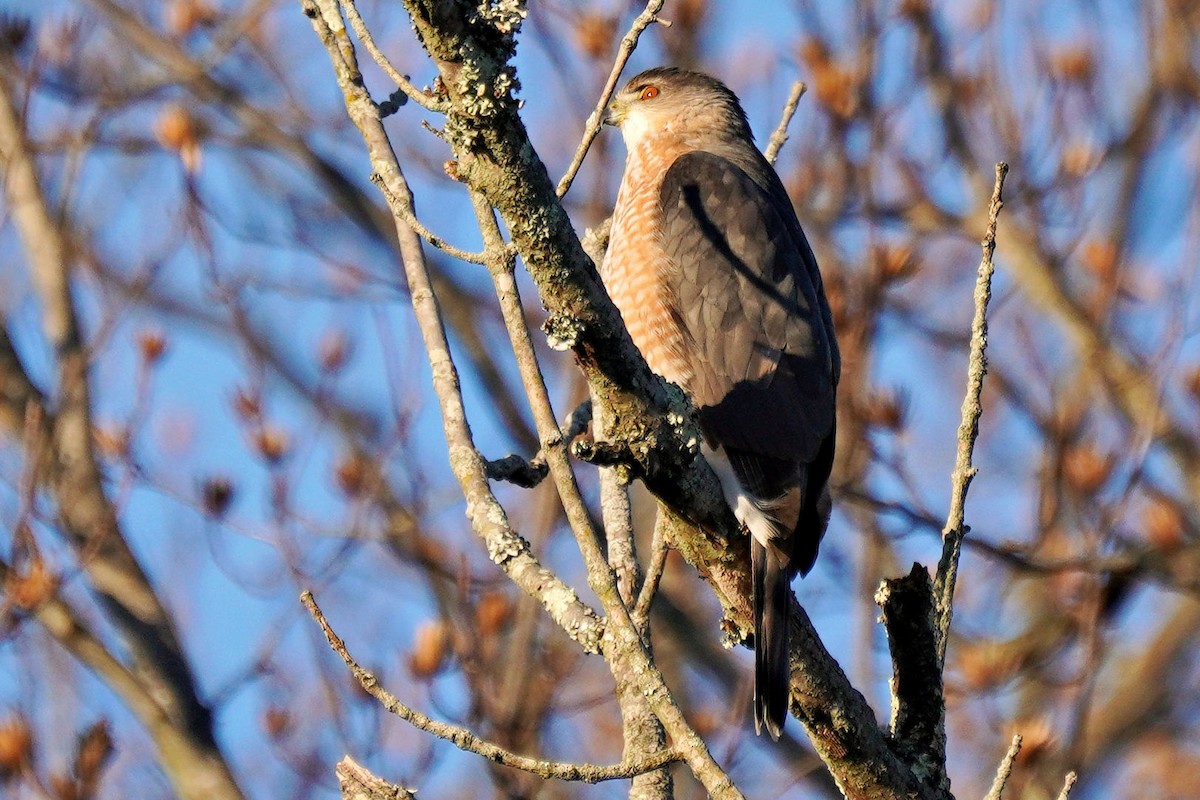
(636, 128)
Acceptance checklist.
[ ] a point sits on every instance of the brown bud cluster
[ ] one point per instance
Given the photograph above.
(1086, 468)
(492, 612)
(216, 495)
(179, 131)
(152, 344)
(272, 443)
(835, 85)
(16, 745)
(352, 474)
(32, 586)
(594, 33)
(1073, 64)
(431, 647)
(1163, 524)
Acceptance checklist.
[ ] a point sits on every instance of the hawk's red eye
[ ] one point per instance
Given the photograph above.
(649, 93)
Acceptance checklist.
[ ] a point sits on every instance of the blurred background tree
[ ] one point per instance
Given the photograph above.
(213, 395)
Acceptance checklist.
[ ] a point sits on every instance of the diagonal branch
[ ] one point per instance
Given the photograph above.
(488, 518)
(89, 519)
(591, 128)
(487, 515)
(465, 740)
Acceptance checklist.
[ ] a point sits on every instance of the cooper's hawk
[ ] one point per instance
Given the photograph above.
(720, 291)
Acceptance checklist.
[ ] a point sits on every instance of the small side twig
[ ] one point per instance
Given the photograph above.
(1005, 769)
(405, 85)
(654, 573)
(517, 470)
(403, 208)
(591, 130)
(968, 429)
(466, 740)
(1068, 785)
(780, 136)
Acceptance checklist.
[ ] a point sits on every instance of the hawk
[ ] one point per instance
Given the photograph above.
(721, 294)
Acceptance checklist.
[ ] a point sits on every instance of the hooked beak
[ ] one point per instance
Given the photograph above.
(615, 114)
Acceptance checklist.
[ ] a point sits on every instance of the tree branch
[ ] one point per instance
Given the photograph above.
(465, 740)
(968, 429)
(780, 135)
(595, 120)
(1005, 770)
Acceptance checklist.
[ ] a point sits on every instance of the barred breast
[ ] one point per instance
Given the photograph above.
(637, 273)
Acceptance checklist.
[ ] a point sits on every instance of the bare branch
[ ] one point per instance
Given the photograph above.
(465, 740)
(364, 35)
(487, 516)
(1068, 785)
(780, 136)
(654, 572)
(968, 429)
(595, 120)
(1004, 770)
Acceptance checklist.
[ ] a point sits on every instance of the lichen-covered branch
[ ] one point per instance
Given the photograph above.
(918, 704)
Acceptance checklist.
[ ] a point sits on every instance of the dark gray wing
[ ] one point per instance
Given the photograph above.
(750, 298)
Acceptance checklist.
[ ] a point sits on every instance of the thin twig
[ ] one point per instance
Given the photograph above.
(1068, 785)
(357, 783)
(968, 429)
(591, 130)
(403, 207)
(780, 136)
(654, 572)
(465, 740)
(360, 30)
(1005, 769)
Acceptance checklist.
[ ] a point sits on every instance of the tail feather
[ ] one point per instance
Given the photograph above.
(772, 611)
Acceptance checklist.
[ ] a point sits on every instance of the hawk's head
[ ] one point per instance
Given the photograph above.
(677, 100)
